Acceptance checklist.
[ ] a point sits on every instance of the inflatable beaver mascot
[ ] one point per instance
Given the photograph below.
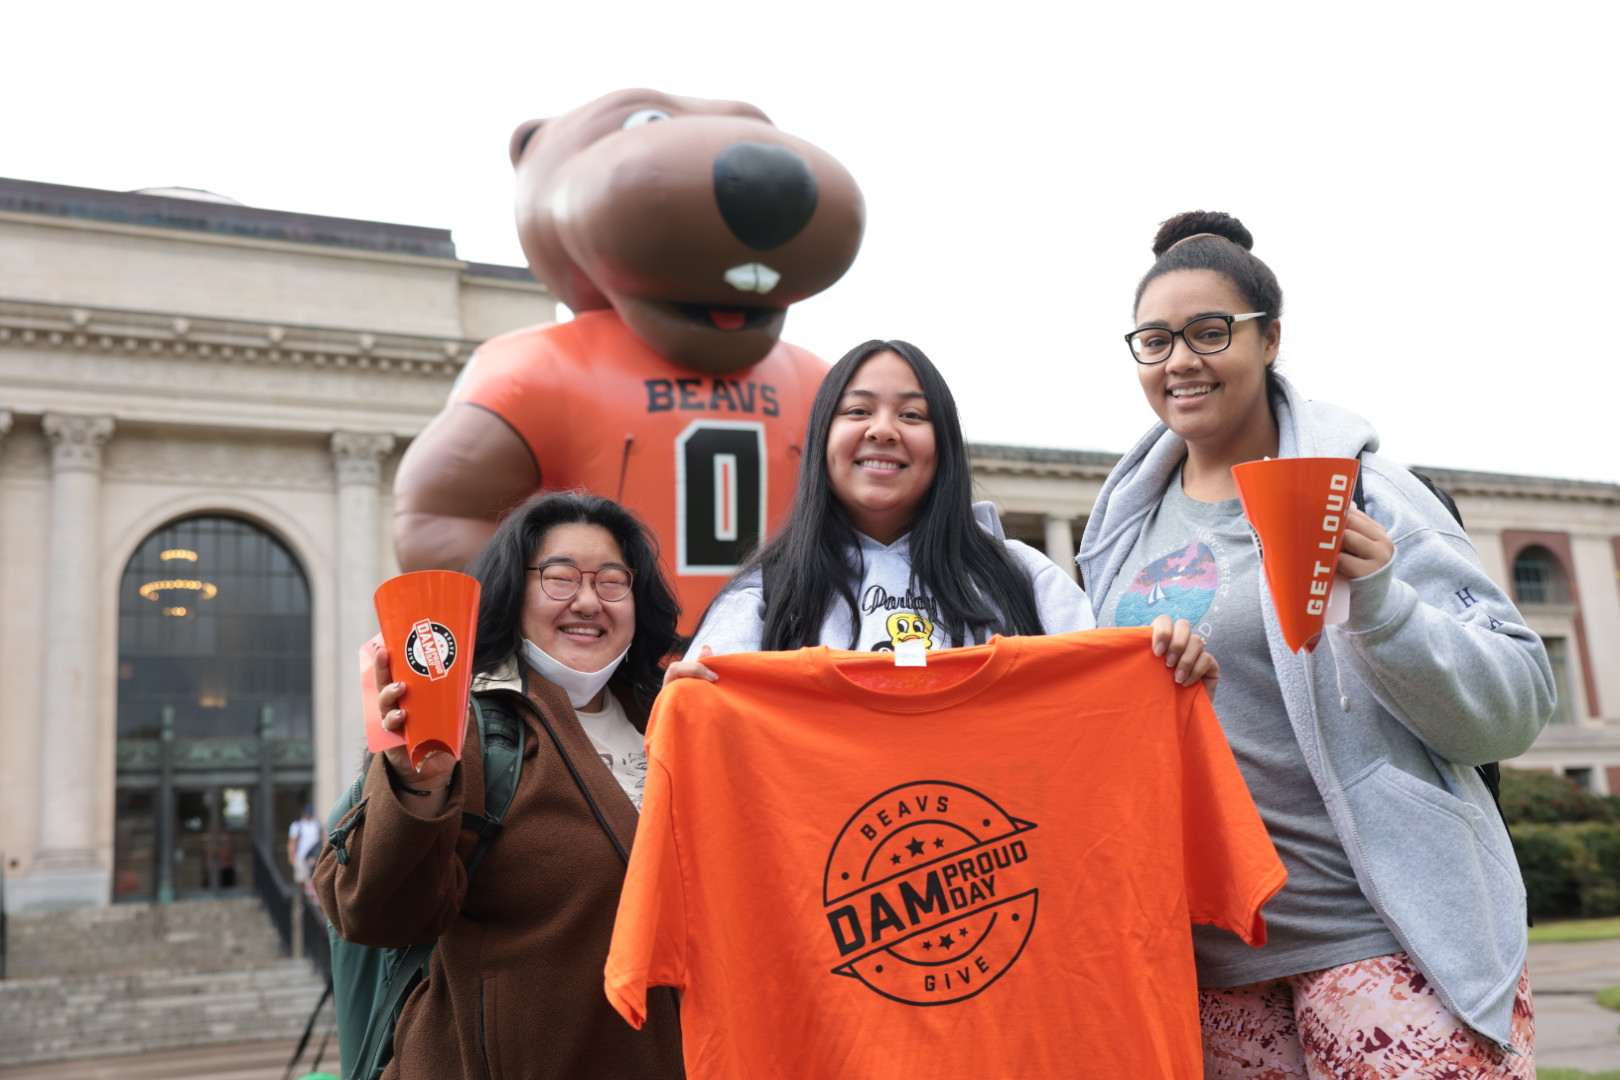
(679, 231)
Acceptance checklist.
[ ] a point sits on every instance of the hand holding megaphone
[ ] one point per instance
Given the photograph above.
(1367, 547)
(1300, 509)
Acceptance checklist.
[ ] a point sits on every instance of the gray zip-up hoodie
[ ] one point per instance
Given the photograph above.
(1433, 673)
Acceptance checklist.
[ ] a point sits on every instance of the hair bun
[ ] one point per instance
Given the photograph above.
(1194, 222)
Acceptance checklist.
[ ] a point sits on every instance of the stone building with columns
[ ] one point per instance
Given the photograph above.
(201, 408)
(202, 405)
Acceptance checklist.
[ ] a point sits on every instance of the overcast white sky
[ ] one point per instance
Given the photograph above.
(1434, 183)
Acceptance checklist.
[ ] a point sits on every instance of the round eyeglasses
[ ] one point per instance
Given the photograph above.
(561, 581)
(1210, 334)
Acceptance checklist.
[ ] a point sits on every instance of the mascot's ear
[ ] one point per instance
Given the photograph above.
(521, 137)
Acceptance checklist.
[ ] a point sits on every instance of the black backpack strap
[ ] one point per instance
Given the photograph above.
(579, 782)
(1443, 495)
(1358, 496)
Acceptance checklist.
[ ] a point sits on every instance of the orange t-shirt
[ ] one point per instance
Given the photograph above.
(986, 867)
(709, 462)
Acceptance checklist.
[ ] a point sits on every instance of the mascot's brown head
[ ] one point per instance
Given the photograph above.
(697, 221)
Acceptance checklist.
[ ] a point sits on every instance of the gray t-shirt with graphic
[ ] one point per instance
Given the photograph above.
(1197, 561)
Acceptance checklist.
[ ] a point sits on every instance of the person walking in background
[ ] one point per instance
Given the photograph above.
(1397, 947)
(304, 838)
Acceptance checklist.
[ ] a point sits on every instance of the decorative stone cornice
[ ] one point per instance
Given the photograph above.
(1040, 461)
(76, 441)
(1513, 486)
(358, 456)
(232, 341)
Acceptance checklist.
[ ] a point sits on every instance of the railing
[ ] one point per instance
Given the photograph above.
(298, 919)
(274, 893)
(317, 946)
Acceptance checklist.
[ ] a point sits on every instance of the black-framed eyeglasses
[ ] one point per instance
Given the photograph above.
(1210, 334)
(561, 581)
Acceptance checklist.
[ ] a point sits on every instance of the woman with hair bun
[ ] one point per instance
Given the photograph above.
(1397, 947)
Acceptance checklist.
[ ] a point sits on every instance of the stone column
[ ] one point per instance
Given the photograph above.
(6, 419)
(360, 534)
(1060, 543)
(66, 871)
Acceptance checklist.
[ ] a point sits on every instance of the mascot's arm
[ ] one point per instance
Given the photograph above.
(455, 481)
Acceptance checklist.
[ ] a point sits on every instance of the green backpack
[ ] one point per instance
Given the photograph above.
(370, 985)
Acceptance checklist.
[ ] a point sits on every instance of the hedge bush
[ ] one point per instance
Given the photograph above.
(1543, 798)
(1571, 869)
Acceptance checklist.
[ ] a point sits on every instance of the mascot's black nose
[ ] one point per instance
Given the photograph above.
(766, 193)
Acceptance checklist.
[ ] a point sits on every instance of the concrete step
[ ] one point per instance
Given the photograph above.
(91, 982)
(58, 1018)
(256, 1060)
(137, 937)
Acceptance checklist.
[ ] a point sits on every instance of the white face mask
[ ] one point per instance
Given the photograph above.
(581, 686)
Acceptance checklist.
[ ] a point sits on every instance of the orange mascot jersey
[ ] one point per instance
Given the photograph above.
(987, 867)
(709, 462)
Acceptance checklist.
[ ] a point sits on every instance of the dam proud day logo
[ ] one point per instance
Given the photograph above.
(929, 893)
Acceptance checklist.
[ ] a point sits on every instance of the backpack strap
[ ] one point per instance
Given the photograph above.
(339, 830)
(408, 969)
(501, 737)
(579, 782)
(1440, 493)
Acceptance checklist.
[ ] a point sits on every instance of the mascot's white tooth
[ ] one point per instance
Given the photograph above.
(752, 277)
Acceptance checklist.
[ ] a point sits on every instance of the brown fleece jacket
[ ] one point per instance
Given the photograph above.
(514, 987)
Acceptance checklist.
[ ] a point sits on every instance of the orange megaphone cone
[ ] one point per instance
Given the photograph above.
(428, 621)
(1297, 507)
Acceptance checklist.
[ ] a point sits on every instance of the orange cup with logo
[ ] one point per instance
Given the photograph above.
(1298, 507)
(429, 619)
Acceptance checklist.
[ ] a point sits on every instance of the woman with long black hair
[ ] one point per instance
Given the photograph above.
(885, 547)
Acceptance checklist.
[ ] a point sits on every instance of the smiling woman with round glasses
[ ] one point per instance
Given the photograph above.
(562, 580)
(1397, 946)
(573, 623)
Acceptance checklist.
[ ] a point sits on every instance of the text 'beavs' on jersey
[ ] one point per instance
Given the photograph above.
(708, 462)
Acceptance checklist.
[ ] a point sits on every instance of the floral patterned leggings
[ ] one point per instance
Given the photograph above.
(1375, 1019)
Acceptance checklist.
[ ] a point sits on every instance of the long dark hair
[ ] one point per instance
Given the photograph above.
(975, 585)
(1226, 251)
(502, 569)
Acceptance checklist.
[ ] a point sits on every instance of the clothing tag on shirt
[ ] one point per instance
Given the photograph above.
(912, 653)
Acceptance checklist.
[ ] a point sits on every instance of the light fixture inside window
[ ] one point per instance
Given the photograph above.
(167, 590)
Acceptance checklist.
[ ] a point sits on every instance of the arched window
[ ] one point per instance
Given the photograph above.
(1538, 578)
(214, 707)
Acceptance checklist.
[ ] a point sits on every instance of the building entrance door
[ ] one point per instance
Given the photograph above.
(215, 710)
(212, 852)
